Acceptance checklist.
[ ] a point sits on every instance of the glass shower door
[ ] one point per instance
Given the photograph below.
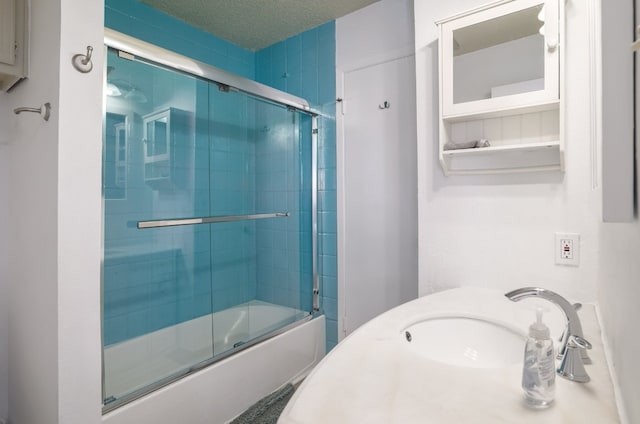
(157, 279)
(261, 258)
(208, 224)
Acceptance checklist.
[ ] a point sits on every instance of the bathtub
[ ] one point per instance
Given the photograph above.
(219, 392)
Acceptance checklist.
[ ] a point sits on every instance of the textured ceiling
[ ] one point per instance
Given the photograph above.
(254, 24)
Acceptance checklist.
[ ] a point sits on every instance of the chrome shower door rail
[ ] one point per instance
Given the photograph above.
(208, 220)
(134, 49)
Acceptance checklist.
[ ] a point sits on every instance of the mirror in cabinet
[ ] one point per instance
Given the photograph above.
(503, 56)
(500, 80)
(499, 57)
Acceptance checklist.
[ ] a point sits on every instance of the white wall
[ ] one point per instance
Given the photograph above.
(618, 296)
(619, 276)
(80, 215)
(366, 43)
(498, 231)
(376, 33)
(33, 233)
(54, 235)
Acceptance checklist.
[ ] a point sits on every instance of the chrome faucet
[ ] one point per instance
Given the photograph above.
(573, 346)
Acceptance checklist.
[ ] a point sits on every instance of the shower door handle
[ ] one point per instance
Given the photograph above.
(158, 223)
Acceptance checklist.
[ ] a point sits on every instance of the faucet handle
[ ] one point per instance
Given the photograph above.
(572, 366)
(578, 341)
(585, 355)
(561, 351)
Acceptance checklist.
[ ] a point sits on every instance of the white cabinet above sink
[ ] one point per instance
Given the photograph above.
(501, 81)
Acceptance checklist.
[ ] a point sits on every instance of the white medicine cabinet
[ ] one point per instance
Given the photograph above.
(500, 88)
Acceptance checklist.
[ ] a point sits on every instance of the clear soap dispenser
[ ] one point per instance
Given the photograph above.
(539, 371)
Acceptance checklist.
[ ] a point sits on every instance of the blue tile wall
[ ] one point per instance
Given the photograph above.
(141, 21)
(232, 192)
(283, 173)
(304, 65)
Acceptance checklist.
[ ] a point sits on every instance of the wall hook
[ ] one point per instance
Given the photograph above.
(82, 62)
(385, 105)
(44, 110)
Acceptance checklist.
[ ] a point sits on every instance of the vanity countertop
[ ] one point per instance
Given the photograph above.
(369, 378)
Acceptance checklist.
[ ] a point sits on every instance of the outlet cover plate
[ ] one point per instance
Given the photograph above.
(567, 249)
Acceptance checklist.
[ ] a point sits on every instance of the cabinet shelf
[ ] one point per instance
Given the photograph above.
(502, 112)
(528, 157)
(527, 147)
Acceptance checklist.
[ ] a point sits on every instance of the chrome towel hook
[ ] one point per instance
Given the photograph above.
(385, 105)
(82, 62)
(44, 110)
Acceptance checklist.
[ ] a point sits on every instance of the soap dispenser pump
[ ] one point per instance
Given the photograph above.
(539, 373)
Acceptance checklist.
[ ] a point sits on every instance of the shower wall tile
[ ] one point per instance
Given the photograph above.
(327, 83)
(295, 84)
(330, 287)
(281, 243)
(330, 307)
(310, 85)
(294, 55)
(328, 244)
(329, 265)
(327, 200)
(309, 69)
(328, 208)
(332, 333)
(146, 23)
(309, 52)
(327, 221)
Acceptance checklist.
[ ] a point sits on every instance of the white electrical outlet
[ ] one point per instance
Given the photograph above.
(567, 249)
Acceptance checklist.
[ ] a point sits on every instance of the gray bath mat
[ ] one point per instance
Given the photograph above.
(267, 410)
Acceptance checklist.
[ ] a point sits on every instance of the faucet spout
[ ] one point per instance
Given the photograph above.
(574, 327)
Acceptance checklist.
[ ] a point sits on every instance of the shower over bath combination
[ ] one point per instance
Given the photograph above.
(209, 188)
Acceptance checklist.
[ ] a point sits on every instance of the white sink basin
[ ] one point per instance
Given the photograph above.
(465, 342)
(463, 365)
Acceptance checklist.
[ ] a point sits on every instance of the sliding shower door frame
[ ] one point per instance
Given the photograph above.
(136, 50)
